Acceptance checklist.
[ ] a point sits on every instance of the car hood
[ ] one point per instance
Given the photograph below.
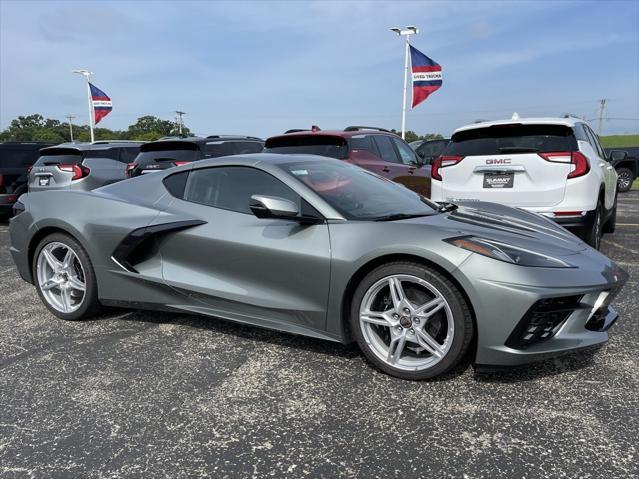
(513, 226)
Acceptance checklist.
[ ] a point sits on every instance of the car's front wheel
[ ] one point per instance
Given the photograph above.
(64, 277)
(410, 321)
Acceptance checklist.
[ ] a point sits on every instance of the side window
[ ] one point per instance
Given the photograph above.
(406, 153)
(175, 184)
(580, 133)
(594, 141)
(386, 149)
(111, 153)
(362, 142)
(231, 187)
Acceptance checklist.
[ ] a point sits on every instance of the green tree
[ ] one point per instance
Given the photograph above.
(412, 136)
(151, 128)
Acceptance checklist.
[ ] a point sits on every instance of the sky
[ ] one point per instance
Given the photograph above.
(260, 68)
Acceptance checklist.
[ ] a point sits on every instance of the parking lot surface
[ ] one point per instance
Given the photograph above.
(147, 394)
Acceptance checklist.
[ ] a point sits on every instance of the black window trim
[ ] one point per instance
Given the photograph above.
(188, 173)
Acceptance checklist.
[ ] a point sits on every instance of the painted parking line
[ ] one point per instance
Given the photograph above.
(620, 246)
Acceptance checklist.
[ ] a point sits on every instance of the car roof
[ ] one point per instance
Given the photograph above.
(96, 145)
(334, 133)
(254, 158)
(569, 121)
(200, 140)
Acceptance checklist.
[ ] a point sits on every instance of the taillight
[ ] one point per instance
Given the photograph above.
(442, 162)
(1, 180)
(180, 163)
(580, 162)
(129, 169)
(79, 171)
(29, 169)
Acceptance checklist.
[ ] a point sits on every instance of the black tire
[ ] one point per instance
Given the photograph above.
(611, 223)
(90, 305)
(625, 179)
(462, 318)
(595, 228)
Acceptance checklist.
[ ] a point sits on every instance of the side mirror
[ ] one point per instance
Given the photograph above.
(264, 206)
(618, 155)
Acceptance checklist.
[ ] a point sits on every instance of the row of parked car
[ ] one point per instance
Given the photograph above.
(553, 166)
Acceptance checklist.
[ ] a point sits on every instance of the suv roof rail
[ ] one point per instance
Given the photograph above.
(295, 130)
(231, 137)
(358, 128)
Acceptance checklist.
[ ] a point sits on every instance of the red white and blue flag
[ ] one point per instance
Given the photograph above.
(102, 104)
(427, 75)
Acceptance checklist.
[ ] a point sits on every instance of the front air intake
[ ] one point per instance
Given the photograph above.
(543, 320)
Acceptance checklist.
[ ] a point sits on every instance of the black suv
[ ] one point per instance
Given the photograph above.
(626, 162)
(16, 158)
(175, 151)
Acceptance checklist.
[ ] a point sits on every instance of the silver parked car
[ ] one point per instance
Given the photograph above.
(82, 166)
(318, 247)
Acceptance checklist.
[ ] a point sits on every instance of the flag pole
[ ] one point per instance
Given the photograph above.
(405, 87)
(87, 75)
(410, 30)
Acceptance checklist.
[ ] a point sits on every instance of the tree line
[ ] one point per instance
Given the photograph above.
(37, 128)
(146, 128)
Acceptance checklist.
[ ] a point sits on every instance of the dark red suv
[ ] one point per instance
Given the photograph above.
(374, 149)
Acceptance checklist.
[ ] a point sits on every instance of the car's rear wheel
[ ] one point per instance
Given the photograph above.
(410, 321)
(625, 179)
(611, 223)
(595, 229)
(64, 278)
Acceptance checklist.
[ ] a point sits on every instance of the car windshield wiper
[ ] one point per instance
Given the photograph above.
(400, 216)
(517, 149)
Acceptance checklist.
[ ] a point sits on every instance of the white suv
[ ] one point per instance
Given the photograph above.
(552, 166)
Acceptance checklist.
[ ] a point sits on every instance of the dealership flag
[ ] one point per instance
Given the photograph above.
(427, 75)
(102, 104)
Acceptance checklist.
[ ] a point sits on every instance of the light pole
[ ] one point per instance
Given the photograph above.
(71, 117)
(87, 75)
(407, 32)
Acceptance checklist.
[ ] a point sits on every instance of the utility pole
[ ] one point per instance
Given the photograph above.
(70, 118)
(179, 120)
(410, 30)
(602, 106)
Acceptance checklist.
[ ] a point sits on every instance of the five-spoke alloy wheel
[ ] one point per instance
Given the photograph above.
(64, 277)
(410, 320)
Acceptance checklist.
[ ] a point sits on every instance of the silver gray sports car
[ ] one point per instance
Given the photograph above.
(315, 246)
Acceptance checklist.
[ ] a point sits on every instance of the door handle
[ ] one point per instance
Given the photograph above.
(386, 169)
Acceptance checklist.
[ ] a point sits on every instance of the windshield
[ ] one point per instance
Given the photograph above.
(515, 138)
(323, 145)
(59, 156)
(358, 194)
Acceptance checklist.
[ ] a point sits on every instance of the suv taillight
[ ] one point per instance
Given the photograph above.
(79, 171)
(576, 158)
(442, 162)
(1, 180)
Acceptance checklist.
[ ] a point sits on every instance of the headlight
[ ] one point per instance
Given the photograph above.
(504, 252)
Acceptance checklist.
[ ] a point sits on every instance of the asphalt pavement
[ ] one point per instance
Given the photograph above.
(147, 394)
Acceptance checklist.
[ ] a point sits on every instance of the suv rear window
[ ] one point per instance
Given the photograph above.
(17, 157)
(59, 156)
(323, 145)
(168, 151)
(509, 139)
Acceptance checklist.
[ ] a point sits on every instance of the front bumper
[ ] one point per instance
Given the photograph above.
(503, 295)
